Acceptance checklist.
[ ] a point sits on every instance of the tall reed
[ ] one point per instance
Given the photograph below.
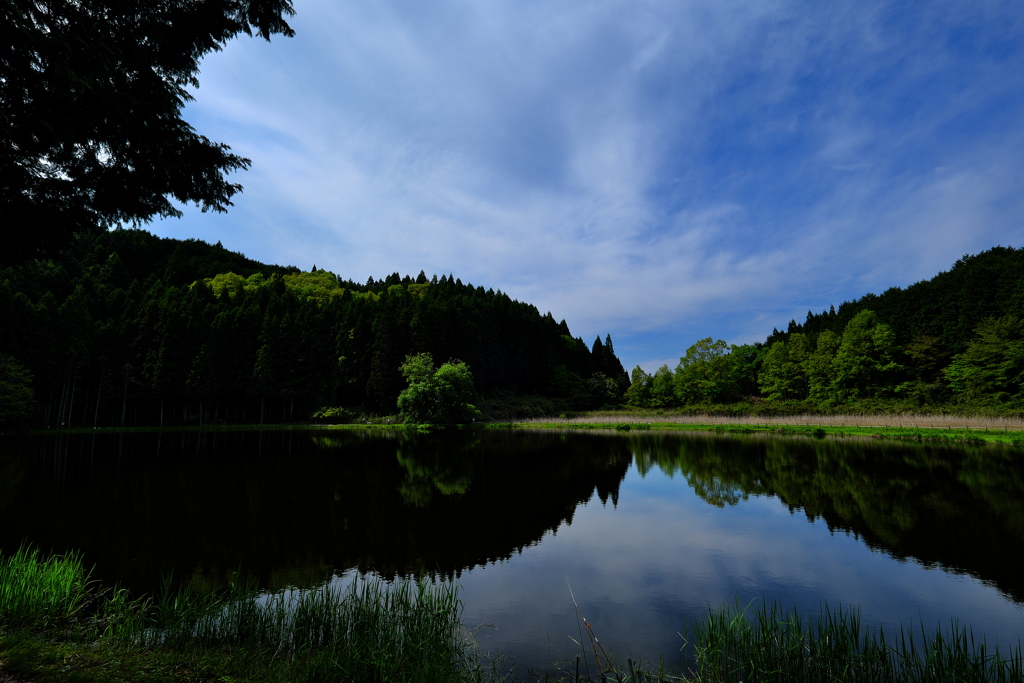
(768, 645)
(41, 592)
(369, 630)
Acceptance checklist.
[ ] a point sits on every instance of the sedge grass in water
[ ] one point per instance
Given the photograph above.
(41, 592)
(370, 630)
(768, 645)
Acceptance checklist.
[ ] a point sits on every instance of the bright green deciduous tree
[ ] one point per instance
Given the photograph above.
(663, 387)
(639, 392)
(706, 373)
(866, 362)
(820, 371)
(993, 364)
(319, 285)
(783, 373)
(436, 396)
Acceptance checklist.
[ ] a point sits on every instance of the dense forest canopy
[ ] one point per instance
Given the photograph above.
(128, 328)
(956, 340)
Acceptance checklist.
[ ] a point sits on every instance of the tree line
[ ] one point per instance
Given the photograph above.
(117, 327)
(956, 340)
(127, 328)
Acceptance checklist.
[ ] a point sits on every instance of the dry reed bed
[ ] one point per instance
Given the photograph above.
(907, 421)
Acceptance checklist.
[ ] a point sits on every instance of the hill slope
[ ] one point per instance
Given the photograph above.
(128, 328)
(954, 341)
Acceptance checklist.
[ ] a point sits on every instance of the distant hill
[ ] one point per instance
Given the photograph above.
(948, 307)
(130, 328)
(955, 341)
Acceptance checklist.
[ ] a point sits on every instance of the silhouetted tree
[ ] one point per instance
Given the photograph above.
(92, 95)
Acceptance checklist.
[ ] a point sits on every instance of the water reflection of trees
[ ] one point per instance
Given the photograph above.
(292, 509)
(959, 508)
(436, 466)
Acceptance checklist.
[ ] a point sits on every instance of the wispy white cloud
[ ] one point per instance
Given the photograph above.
(661, 171)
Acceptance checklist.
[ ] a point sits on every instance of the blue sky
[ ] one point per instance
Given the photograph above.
(660, 171)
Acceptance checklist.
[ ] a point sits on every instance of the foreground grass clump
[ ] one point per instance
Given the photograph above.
(55, 625)
(367, 631)
(770, 645)
(41, 592)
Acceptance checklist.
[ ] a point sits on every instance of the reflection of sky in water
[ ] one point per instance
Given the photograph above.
(642, 570)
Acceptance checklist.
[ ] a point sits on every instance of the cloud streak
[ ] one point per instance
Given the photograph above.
(660, 171)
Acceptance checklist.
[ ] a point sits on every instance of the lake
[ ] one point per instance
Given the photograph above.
(647, 529)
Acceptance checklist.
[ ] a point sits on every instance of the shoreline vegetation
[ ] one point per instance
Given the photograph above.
(961, 429)
(58, 625)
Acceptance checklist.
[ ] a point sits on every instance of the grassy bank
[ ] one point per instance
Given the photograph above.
(55, 625)
(934, 428)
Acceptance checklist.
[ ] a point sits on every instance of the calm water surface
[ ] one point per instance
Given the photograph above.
(648, 529)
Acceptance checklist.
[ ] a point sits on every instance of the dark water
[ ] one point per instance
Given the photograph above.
(649, 529)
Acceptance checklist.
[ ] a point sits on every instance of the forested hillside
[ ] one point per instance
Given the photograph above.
(956, 340)
(948, 307)
(127, 328)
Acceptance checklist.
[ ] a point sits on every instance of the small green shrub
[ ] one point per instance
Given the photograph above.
(336, 415)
